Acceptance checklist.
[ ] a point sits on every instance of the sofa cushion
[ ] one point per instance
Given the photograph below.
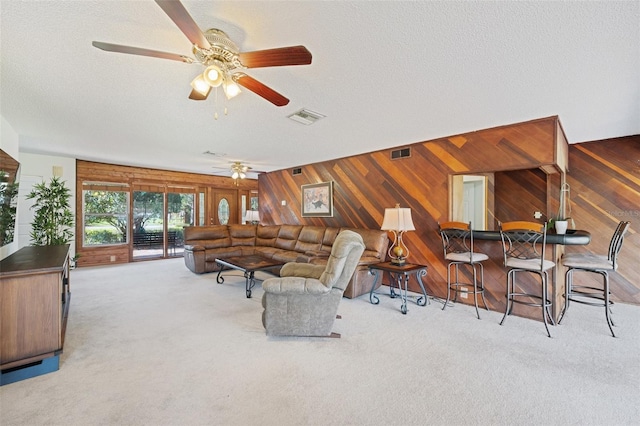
(212, 254)
(310, 239)
(266, 251)
(285, 255)
(242, 235)
(266, 235)
(208, 236)
(288, 236)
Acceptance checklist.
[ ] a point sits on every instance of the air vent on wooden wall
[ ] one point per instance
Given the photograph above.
(400, 153)
(297, 171)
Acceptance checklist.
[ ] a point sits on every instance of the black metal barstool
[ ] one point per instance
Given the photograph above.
(457, 242)
(523, 246)
(598, 264)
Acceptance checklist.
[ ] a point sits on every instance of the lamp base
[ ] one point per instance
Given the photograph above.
(398, 261)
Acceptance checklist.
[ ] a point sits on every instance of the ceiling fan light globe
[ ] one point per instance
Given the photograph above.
(213, 76)
(242, 175)
(235, 175)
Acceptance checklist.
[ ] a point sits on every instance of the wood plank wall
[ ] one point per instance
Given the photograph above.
(604, 177)
(365, 184)
(140, 178)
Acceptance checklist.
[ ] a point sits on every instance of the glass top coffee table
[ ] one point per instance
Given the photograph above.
(249, 265)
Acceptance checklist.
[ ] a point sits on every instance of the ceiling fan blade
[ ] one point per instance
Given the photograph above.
(184, 21)
(260, 89)
(197, 96)
(140, 51)
(293, 55)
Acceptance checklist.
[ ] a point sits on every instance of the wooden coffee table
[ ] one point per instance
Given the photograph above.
(248, 265)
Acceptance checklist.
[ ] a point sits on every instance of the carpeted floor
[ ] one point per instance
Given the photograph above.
(150, 343)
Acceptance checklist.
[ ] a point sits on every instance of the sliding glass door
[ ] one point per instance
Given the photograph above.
(148, 224)
(180, 213)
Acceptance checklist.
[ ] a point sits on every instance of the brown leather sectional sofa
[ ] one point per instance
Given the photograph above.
(288, 243)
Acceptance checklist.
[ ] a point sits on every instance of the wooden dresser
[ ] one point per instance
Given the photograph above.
(34, 303)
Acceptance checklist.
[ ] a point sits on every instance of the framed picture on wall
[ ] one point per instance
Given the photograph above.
(317, 200)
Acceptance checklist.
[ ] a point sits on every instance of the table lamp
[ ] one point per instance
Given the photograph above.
(399, 221)
(252, 217)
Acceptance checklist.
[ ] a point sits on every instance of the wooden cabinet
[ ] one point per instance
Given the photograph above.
(34, 303)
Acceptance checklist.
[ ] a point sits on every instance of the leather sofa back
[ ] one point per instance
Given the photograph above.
(310, 239)
(266, 235)
(242, 235)
(288, 236)
(299, 238)
(375, 241)
(214, 236)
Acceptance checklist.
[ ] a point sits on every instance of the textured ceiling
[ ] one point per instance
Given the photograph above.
(384, 74)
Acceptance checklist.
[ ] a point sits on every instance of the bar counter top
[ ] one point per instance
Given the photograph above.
(573, 237)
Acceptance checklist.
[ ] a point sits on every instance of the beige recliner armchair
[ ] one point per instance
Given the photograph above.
(304, 300)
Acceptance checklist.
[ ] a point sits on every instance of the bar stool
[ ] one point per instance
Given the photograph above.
(597, 264)
(523, 245)
(457, 242)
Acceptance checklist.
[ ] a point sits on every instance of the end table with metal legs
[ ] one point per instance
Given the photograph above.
(399, 278)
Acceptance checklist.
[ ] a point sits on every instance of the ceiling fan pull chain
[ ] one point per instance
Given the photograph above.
(215, 116)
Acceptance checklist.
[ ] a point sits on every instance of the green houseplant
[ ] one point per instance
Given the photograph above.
(8, 197)
(53, 220)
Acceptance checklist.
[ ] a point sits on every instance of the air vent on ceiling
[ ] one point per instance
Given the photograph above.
(400, 153)
(297, 171)
(305, 116)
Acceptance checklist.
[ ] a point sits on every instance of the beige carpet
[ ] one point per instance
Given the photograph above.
(150, 343)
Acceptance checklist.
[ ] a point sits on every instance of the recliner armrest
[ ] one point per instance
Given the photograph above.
(193, 247)
(294, 285)
(303, 270)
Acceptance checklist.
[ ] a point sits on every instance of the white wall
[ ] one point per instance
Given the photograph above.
(9, 144)
(36, 168)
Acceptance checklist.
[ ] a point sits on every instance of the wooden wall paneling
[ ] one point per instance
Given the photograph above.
(139, 178)
(519, 193)
(365, 184)
(605, 188)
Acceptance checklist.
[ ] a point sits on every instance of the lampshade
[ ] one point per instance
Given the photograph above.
(200, 85)
(397, 219)
(252, 216)
(230, 87)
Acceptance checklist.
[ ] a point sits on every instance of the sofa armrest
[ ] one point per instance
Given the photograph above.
(193, 247)
(294, 285)
(303, 270)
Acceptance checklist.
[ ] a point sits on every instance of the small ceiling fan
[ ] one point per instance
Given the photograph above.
(223, 61)
(237, 169)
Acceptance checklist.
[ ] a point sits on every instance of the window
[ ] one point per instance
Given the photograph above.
(105, 214)
(223, 211)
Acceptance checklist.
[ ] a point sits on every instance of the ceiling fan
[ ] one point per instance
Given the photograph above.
(237, 169)
(223, 61)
